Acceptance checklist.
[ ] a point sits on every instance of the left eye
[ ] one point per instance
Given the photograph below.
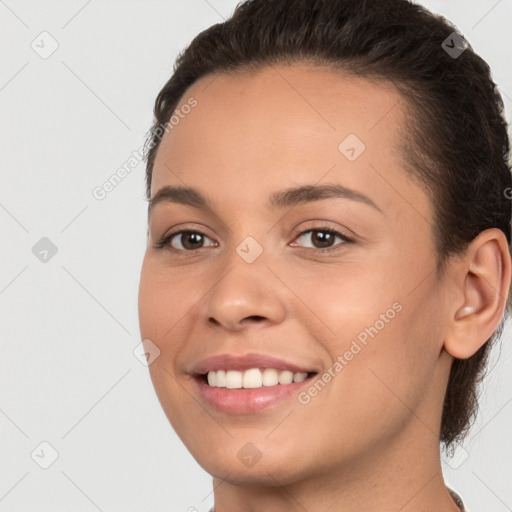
(187, 239)
(323, 238)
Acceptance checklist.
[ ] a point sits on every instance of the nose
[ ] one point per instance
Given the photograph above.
(246, 294)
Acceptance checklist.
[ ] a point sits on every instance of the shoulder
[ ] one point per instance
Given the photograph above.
(455, 497)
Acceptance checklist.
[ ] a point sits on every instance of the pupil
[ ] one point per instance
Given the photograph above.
(189, 237)
(323, 237)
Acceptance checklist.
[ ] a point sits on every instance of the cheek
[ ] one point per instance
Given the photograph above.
(162, 302)
(343, 301)
(161, 305)
(164, 299)
(382, 337)
(394, 369)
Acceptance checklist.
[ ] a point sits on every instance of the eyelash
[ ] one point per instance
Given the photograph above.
(165, 240)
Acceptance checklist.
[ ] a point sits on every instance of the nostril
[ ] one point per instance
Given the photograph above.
(256, 317)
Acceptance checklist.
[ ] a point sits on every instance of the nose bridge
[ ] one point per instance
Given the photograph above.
(245, 287)
(249, 238)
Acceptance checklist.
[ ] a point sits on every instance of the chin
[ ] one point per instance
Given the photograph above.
(262, 474)
(240, 464)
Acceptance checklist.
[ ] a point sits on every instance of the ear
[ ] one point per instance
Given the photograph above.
(482, 282)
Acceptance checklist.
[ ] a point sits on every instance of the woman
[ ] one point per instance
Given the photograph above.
(328, 259)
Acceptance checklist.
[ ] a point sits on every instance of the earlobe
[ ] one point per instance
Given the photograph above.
(482, 279)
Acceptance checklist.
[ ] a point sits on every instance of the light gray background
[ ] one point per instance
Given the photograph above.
(68, 326)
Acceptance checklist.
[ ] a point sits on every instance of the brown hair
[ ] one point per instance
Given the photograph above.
(456, 143)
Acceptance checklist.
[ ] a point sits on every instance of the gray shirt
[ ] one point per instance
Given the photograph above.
(457, 500)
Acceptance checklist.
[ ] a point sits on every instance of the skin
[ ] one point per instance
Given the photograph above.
(370, 439)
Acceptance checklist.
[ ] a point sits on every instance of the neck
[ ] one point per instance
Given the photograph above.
(405, 476)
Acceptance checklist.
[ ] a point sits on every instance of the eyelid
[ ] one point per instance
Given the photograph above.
(323, 225)
(190, 226)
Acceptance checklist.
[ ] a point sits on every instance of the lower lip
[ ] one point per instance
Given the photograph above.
(248, 401)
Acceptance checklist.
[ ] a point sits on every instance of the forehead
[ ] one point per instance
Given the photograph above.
(252, 133)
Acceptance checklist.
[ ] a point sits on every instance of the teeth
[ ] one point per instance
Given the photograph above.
(233, 379)
(270, 377)
(299, 377)
(286, 377)
(212, 378)
(220, 378)
(253, 378)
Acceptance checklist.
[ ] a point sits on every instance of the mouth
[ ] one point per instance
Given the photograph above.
(251, 382)
(253, 378)
(251, 391)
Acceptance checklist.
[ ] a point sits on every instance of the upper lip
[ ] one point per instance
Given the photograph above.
(246, 362)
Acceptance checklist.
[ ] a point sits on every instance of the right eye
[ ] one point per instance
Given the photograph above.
(182, 241)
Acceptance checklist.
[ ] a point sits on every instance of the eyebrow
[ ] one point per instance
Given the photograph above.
(278, 200)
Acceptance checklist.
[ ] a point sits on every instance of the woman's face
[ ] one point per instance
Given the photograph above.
(262, 274)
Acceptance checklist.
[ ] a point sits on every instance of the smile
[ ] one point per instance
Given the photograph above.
(253, 378)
